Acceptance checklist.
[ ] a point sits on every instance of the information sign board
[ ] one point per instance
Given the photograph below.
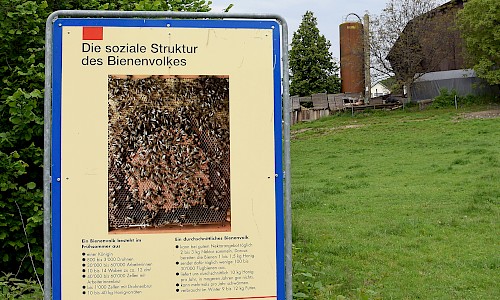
(167, 176)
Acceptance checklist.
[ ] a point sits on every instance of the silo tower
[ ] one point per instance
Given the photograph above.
(352, 58)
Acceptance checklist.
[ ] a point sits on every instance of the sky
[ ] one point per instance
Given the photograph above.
(329, 13)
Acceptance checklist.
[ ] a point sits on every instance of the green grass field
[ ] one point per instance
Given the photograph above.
(397, 205)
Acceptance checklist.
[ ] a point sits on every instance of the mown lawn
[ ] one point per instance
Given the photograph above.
(397, 205)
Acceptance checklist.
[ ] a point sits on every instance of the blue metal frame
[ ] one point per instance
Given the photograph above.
(175, 23)
(56, 161)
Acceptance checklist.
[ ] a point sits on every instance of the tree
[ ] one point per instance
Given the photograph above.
(480, 28)
(311, 63)
(149, 5)
(405, 39)
(21, 120)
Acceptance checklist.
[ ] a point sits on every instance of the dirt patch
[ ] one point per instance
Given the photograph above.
(348, 126)
(486, 114)
(324, 130)
(294, 133)
(301, 130)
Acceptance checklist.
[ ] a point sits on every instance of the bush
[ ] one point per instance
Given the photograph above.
(12, 288)
(21, 135)
(477, 100)
(446, 98)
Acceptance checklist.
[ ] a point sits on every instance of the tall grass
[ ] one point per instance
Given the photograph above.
(399, 205)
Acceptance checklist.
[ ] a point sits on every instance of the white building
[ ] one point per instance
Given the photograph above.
(379, 89)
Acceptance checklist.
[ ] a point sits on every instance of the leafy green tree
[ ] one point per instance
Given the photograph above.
(311, 63)
(22, 43)
(480, 28)
(150, 5)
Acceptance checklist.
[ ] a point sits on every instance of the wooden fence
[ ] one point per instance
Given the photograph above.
(322, 105)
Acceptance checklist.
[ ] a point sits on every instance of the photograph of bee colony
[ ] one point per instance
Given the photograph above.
(168, 153)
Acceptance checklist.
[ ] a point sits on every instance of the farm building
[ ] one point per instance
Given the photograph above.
(379, 89)
(431, 51)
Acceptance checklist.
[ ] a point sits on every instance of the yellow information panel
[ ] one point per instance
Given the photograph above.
(167, 176)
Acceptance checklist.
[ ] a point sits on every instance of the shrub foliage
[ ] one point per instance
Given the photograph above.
(21, 133)
(12, 288)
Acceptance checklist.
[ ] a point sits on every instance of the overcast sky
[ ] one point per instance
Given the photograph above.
(329, 13)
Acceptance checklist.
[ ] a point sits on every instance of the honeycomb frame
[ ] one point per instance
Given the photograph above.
(168, 151)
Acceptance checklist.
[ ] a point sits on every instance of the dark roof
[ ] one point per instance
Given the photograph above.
(443, 8)
(418, 42)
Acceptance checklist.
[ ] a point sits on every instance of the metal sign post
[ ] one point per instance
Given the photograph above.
(166, 172)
